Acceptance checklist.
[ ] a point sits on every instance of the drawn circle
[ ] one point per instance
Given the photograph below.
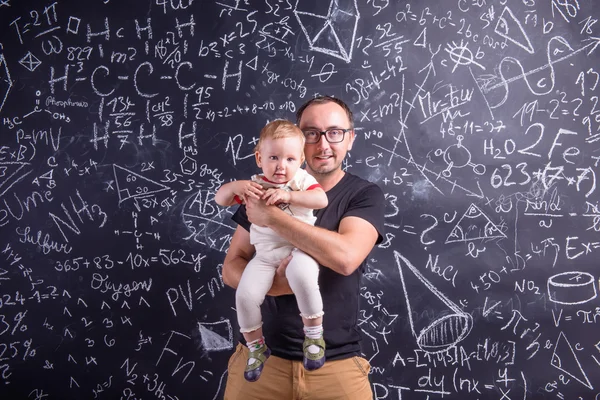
(445, 332)
(457, 155)
(203, 221)
(459, 58)
(447, 172)
(572, 288)
(479, 169)
(38, 93)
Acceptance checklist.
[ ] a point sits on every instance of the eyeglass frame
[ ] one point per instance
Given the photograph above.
(324, 133)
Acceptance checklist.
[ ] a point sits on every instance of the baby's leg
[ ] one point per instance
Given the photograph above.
(256, 281)
(254, 285)
(303, 276)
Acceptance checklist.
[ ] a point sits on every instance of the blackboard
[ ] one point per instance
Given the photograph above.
(479, 119)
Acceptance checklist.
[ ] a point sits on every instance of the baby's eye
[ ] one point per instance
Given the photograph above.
(291, 159)
(273, 158)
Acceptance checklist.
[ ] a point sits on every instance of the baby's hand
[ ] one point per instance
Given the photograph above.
(245, 189)
(276, 196)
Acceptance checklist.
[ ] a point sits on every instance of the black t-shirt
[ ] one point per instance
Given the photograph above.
(282, 324)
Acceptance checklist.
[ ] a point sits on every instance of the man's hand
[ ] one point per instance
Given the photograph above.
(276, 196)
(280, 283)
(259, 213)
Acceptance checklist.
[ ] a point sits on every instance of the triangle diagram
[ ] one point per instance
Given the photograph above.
(510, 28)
(344, 25)
(8, 170)
(30, 62)
(211, 340)
(565, 360)
(348, 7)
(252, 64)
(131, 185)
(474, 225)
(327, 42)
(311, 24)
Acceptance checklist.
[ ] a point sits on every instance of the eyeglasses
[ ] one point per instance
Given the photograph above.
(333, 135)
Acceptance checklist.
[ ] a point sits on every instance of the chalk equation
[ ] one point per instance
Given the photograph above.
(480, 120)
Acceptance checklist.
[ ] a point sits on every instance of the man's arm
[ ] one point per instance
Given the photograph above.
(239, 254)
(314, 199)
(342, 251)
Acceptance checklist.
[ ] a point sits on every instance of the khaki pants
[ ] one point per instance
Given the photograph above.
(281, 379)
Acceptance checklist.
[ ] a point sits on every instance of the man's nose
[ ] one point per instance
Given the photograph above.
(323, 143)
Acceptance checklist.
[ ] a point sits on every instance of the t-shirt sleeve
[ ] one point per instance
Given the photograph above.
(307, 182)
(369, 204)
(241, 218)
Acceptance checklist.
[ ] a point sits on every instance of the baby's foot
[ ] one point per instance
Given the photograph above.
(314, 353)
(256, 361)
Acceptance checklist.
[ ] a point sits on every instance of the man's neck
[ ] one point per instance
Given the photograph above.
(328, 181)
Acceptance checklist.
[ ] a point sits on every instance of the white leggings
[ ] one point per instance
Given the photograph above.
(302, 273)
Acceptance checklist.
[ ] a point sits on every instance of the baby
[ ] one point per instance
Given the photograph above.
(279, 153)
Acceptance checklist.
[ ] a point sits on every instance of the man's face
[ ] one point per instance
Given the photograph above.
(324, 158)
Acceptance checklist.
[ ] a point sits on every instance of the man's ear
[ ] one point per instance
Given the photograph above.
(258, 158)
(352, 137)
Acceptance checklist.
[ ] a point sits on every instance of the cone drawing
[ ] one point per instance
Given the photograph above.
(447, 326)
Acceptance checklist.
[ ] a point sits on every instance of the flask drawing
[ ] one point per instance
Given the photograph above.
(438, 331)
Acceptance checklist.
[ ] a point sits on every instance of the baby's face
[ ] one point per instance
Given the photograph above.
(280, 159)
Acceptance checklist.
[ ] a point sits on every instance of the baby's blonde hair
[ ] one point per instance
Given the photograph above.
(279, 129)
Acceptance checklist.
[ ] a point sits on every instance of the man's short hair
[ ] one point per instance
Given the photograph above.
(279, 129)
(324, 100)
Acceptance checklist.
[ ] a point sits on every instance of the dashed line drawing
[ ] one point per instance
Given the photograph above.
(9, 170)
(572, 288)
(565, 360)
(132, 185)
(30, 62)
(461, 55)
(447, 327)
(332, 33)
(510, 28)
(5, 82)
(216, 336)
(474, 225)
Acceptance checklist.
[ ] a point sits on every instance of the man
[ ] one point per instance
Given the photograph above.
(343, 236)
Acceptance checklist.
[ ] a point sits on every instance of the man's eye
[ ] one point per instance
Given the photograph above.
(335, 132)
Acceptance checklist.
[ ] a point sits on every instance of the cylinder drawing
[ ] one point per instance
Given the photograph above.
(572, 288)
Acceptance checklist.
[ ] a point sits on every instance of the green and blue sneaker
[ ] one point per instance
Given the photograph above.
(254, 368)
(313, 361)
